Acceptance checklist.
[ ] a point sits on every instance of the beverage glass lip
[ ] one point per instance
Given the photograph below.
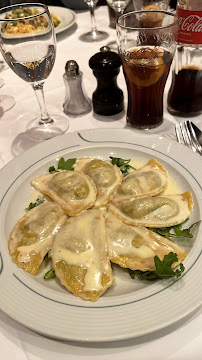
(24, 5)
(173, 15)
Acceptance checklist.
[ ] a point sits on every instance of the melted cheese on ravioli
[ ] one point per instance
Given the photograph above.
(135, 247)
(74, 192)
(32, 237)
(157, 211)
(80, 255)
(149, 180)
(105, 176)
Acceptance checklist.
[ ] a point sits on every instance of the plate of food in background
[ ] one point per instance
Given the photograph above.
(63, 19)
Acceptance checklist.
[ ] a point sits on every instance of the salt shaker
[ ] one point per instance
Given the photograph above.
(108, 97)
(76, 101)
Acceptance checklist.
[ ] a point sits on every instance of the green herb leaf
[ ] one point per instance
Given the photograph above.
(122, 164)
(52, 169)
(66, 165)
(176, 231)
(132, 273)
(38, 201)
(49, 274)
(163, 269)
(63, 165)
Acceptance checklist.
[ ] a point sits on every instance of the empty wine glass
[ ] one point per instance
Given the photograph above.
(1, 80)
(94, 34)
(28, 45)
(118, 6)
(6, 101)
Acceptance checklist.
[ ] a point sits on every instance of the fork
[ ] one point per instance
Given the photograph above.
(185, 135)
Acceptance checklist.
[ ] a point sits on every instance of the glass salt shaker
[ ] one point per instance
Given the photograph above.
(76, 101)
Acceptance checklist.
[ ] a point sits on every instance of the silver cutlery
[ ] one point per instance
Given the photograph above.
(188, 134)
(198, 133)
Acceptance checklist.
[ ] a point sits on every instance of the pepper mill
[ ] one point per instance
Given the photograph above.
(108, 97)
(76, 101)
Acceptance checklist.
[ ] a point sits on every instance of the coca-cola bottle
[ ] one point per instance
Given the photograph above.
(185, 94)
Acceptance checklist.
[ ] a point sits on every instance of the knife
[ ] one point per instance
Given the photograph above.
(196, 135)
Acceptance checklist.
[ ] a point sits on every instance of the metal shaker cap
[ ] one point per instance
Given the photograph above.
(71, 68)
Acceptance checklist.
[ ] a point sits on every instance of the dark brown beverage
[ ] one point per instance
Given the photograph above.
(185, 94)
(146, 71)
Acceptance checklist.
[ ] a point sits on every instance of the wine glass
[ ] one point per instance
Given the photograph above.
(1, 80)
(94, 34)
(28, 45)
(118, 6)
(6, 101)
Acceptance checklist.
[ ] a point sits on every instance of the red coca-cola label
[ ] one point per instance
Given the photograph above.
(190, 26)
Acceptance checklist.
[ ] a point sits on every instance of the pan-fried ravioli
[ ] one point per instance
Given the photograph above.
(80, 255)
(149, 180)
(135, 247)
(32, 236)
(157, 211)
(73, 191)
(105, 176)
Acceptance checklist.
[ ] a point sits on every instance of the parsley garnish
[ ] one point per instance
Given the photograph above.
(176, 231)
(163, 269)
(49, 274)
(52, 169)
(122, 164)
(63, 165)
(38, 201)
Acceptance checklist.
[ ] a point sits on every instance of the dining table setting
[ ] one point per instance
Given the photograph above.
(87, 99)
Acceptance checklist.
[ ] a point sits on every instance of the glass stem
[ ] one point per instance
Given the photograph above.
(93, 23)
(118, 13)
(44, 116)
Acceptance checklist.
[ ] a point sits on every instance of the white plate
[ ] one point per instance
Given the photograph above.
(66, 16)
(130, 308)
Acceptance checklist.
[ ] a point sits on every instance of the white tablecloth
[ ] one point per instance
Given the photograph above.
(182, 341)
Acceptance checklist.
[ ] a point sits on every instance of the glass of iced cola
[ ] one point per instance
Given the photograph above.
(147, 52)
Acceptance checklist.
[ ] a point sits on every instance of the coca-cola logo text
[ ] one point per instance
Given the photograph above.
(190, 26)
(191, 23)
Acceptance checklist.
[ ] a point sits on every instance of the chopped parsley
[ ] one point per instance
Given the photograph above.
(49, 274)
(38, 201)
(122, 164)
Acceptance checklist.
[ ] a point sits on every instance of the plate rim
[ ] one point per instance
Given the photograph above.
(81, 134)
(59, 29)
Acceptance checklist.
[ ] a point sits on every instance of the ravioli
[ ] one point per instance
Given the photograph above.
(73, 191)
(80, 255)
(32, 236)
(149, 180)
(135, 247)
(157, 211)
(105, 176)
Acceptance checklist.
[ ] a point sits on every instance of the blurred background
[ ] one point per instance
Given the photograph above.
(72, 4)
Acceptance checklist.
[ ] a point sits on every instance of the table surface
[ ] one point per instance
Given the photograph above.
(180, 341)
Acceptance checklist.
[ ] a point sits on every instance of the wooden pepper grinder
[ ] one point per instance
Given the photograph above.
(108, 97)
